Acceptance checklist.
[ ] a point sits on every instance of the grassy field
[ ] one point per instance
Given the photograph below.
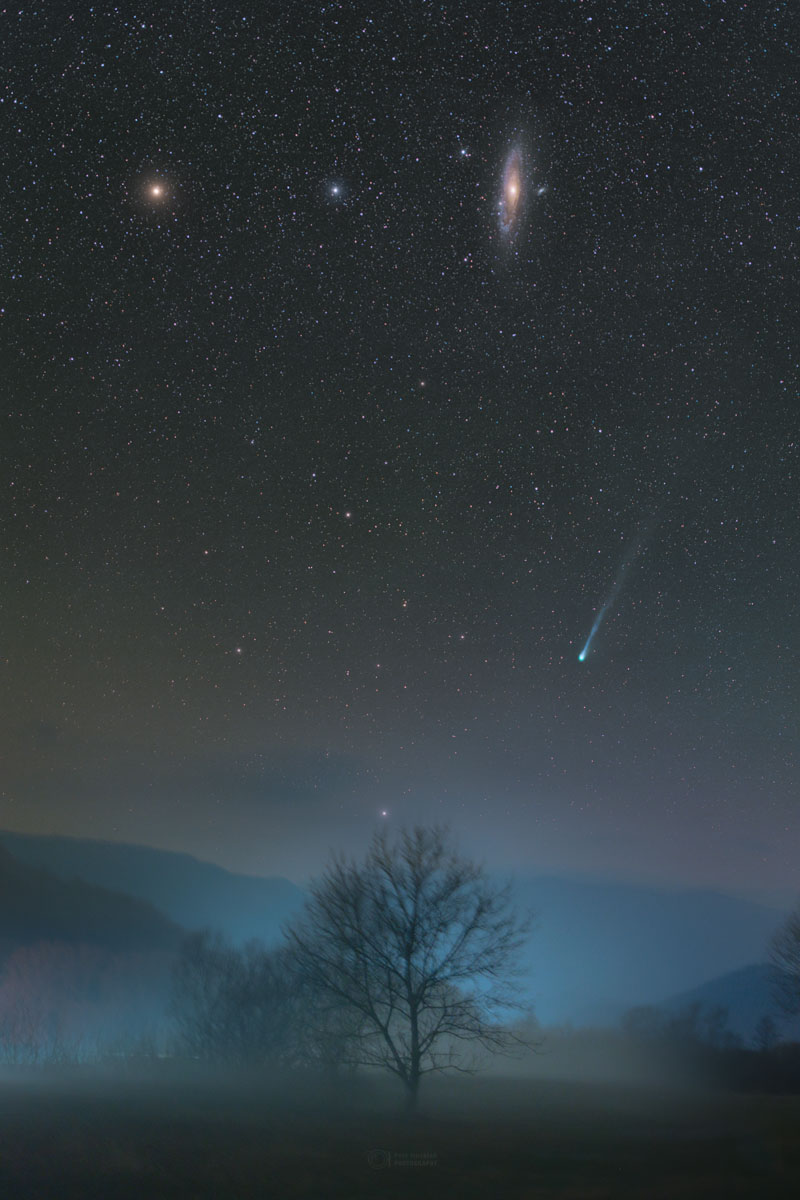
(109, 1137)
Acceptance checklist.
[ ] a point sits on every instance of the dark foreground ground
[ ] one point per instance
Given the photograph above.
(115, 1136)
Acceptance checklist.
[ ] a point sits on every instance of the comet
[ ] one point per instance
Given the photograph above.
(598, 621)
(614, 591)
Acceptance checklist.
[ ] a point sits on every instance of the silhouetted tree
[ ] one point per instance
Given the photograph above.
(414, 950)
(765, 1034)
(326, 1029)
(61, 1000)
(644, 1022)
(693, 1025)
(232, 1005)
(785, 957)
(714, 1029)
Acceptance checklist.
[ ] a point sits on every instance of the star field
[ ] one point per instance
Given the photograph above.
(314, 484)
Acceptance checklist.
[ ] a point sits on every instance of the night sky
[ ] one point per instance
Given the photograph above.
(356, 358)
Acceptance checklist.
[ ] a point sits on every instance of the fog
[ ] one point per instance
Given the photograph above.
(565, 1123)
(151, 1060)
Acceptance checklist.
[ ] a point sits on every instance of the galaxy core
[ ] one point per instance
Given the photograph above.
(512, 198)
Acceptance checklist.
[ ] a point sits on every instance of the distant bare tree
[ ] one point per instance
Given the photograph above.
(232, 1005)
(325, 1028)
(785, 957)
(714, 1028)
(415, 950)
(766, 1033)
(691, 1026)
(644, 1022)
(60, 1000)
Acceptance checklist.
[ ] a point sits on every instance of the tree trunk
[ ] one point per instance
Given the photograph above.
(412, 1082)
(412, 1095)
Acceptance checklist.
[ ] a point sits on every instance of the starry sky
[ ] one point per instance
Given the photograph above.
(324, 446)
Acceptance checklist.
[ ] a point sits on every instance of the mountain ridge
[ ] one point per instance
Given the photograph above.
(746, 994)
(598, 948)
(38, 906)
(189, 891)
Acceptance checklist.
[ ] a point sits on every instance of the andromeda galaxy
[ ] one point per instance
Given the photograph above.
(512, 199)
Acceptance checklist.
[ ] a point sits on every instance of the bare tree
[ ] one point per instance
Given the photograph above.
(417, 947)
(60, 1000)
(232, 1005)
(785, 957)
(766, 1033)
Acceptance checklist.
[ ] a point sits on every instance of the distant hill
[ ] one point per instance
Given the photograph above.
(745, 993)
(601, 947)
(598, 947)
(37, 906)
(192, 893)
